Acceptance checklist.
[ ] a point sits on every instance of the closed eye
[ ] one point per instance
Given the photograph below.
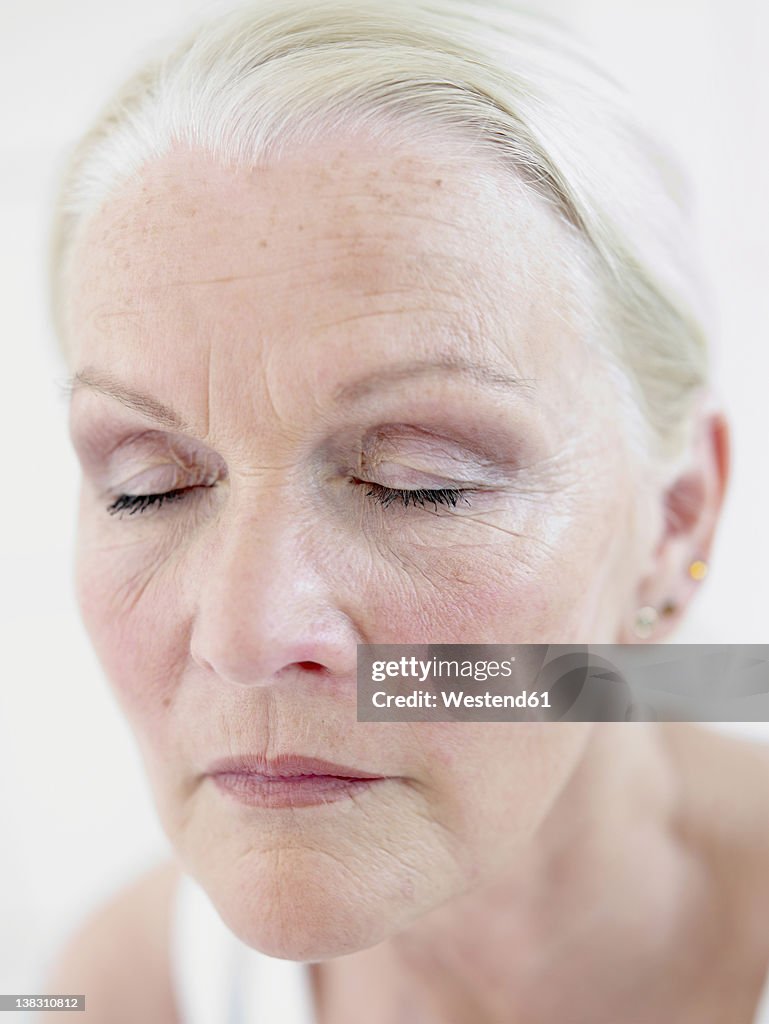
(133, 503)
(448, 496)
(440, 496)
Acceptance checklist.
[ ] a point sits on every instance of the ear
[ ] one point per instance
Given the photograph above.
(692, 505)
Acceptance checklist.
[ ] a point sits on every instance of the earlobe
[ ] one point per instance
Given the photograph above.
(648, 617)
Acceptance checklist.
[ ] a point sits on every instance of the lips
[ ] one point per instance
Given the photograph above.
(286, 766)
(288, 780)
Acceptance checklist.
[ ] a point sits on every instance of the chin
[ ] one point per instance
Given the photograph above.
(305, 905)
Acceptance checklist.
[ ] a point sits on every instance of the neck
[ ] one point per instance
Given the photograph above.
(599, 898)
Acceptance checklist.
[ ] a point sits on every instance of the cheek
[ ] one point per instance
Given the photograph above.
(128, 610)
(494, 783)
(495, 579)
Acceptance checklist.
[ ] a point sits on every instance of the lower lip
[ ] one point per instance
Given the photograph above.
(289, 791)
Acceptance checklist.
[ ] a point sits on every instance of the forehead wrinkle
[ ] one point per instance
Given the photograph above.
(375, 252)
(375, 248)
(210, 200)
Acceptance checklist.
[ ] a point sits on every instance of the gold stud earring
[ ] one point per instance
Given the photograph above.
(645, 621)
(698, 570)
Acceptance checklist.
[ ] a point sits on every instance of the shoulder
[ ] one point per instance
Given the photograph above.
(725, 779)
(119, 955)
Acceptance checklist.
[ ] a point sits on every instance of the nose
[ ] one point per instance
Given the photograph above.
(265, 608)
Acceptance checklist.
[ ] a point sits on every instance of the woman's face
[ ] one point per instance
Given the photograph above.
(310, 331)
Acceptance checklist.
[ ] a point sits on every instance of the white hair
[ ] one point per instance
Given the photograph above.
(247, 82)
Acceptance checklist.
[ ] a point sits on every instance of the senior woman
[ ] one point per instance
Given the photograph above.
(384, 327)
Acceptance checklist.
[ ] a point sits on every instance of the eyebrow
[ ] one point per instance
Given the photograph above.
(489, 376)
(486, 375)
(106, 384)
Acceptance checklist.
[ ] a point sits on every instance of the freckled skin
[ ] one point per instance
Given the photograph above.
(243, 300)
(195, 613)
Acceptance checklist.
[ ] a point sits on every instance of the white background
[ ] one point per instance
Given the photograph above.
(77, 819)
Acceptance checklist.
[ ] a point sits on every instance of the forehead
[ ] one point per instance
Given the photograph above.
(340, 252)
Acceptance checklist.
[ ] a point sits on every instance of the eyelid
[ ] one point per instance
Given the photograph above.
(162, 478)
(176, 477)
(110, 454)
(418, 450)
(403, 477)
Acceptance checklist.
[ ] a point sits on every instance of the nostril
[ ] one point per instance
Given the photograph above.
(311, 666)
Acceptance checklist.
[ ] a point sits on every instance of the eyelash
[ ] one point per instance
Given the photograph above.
(133, 503)
(442, 496)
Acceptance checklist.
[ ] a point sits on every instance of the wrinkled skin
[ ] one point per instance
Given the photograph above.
(227, 621)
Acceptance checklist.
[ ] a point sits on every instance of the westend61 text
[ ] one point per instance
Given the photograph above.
(460, 699)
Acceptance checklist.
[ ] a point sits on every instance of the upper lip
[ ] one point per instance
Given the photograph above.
(286, 766)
